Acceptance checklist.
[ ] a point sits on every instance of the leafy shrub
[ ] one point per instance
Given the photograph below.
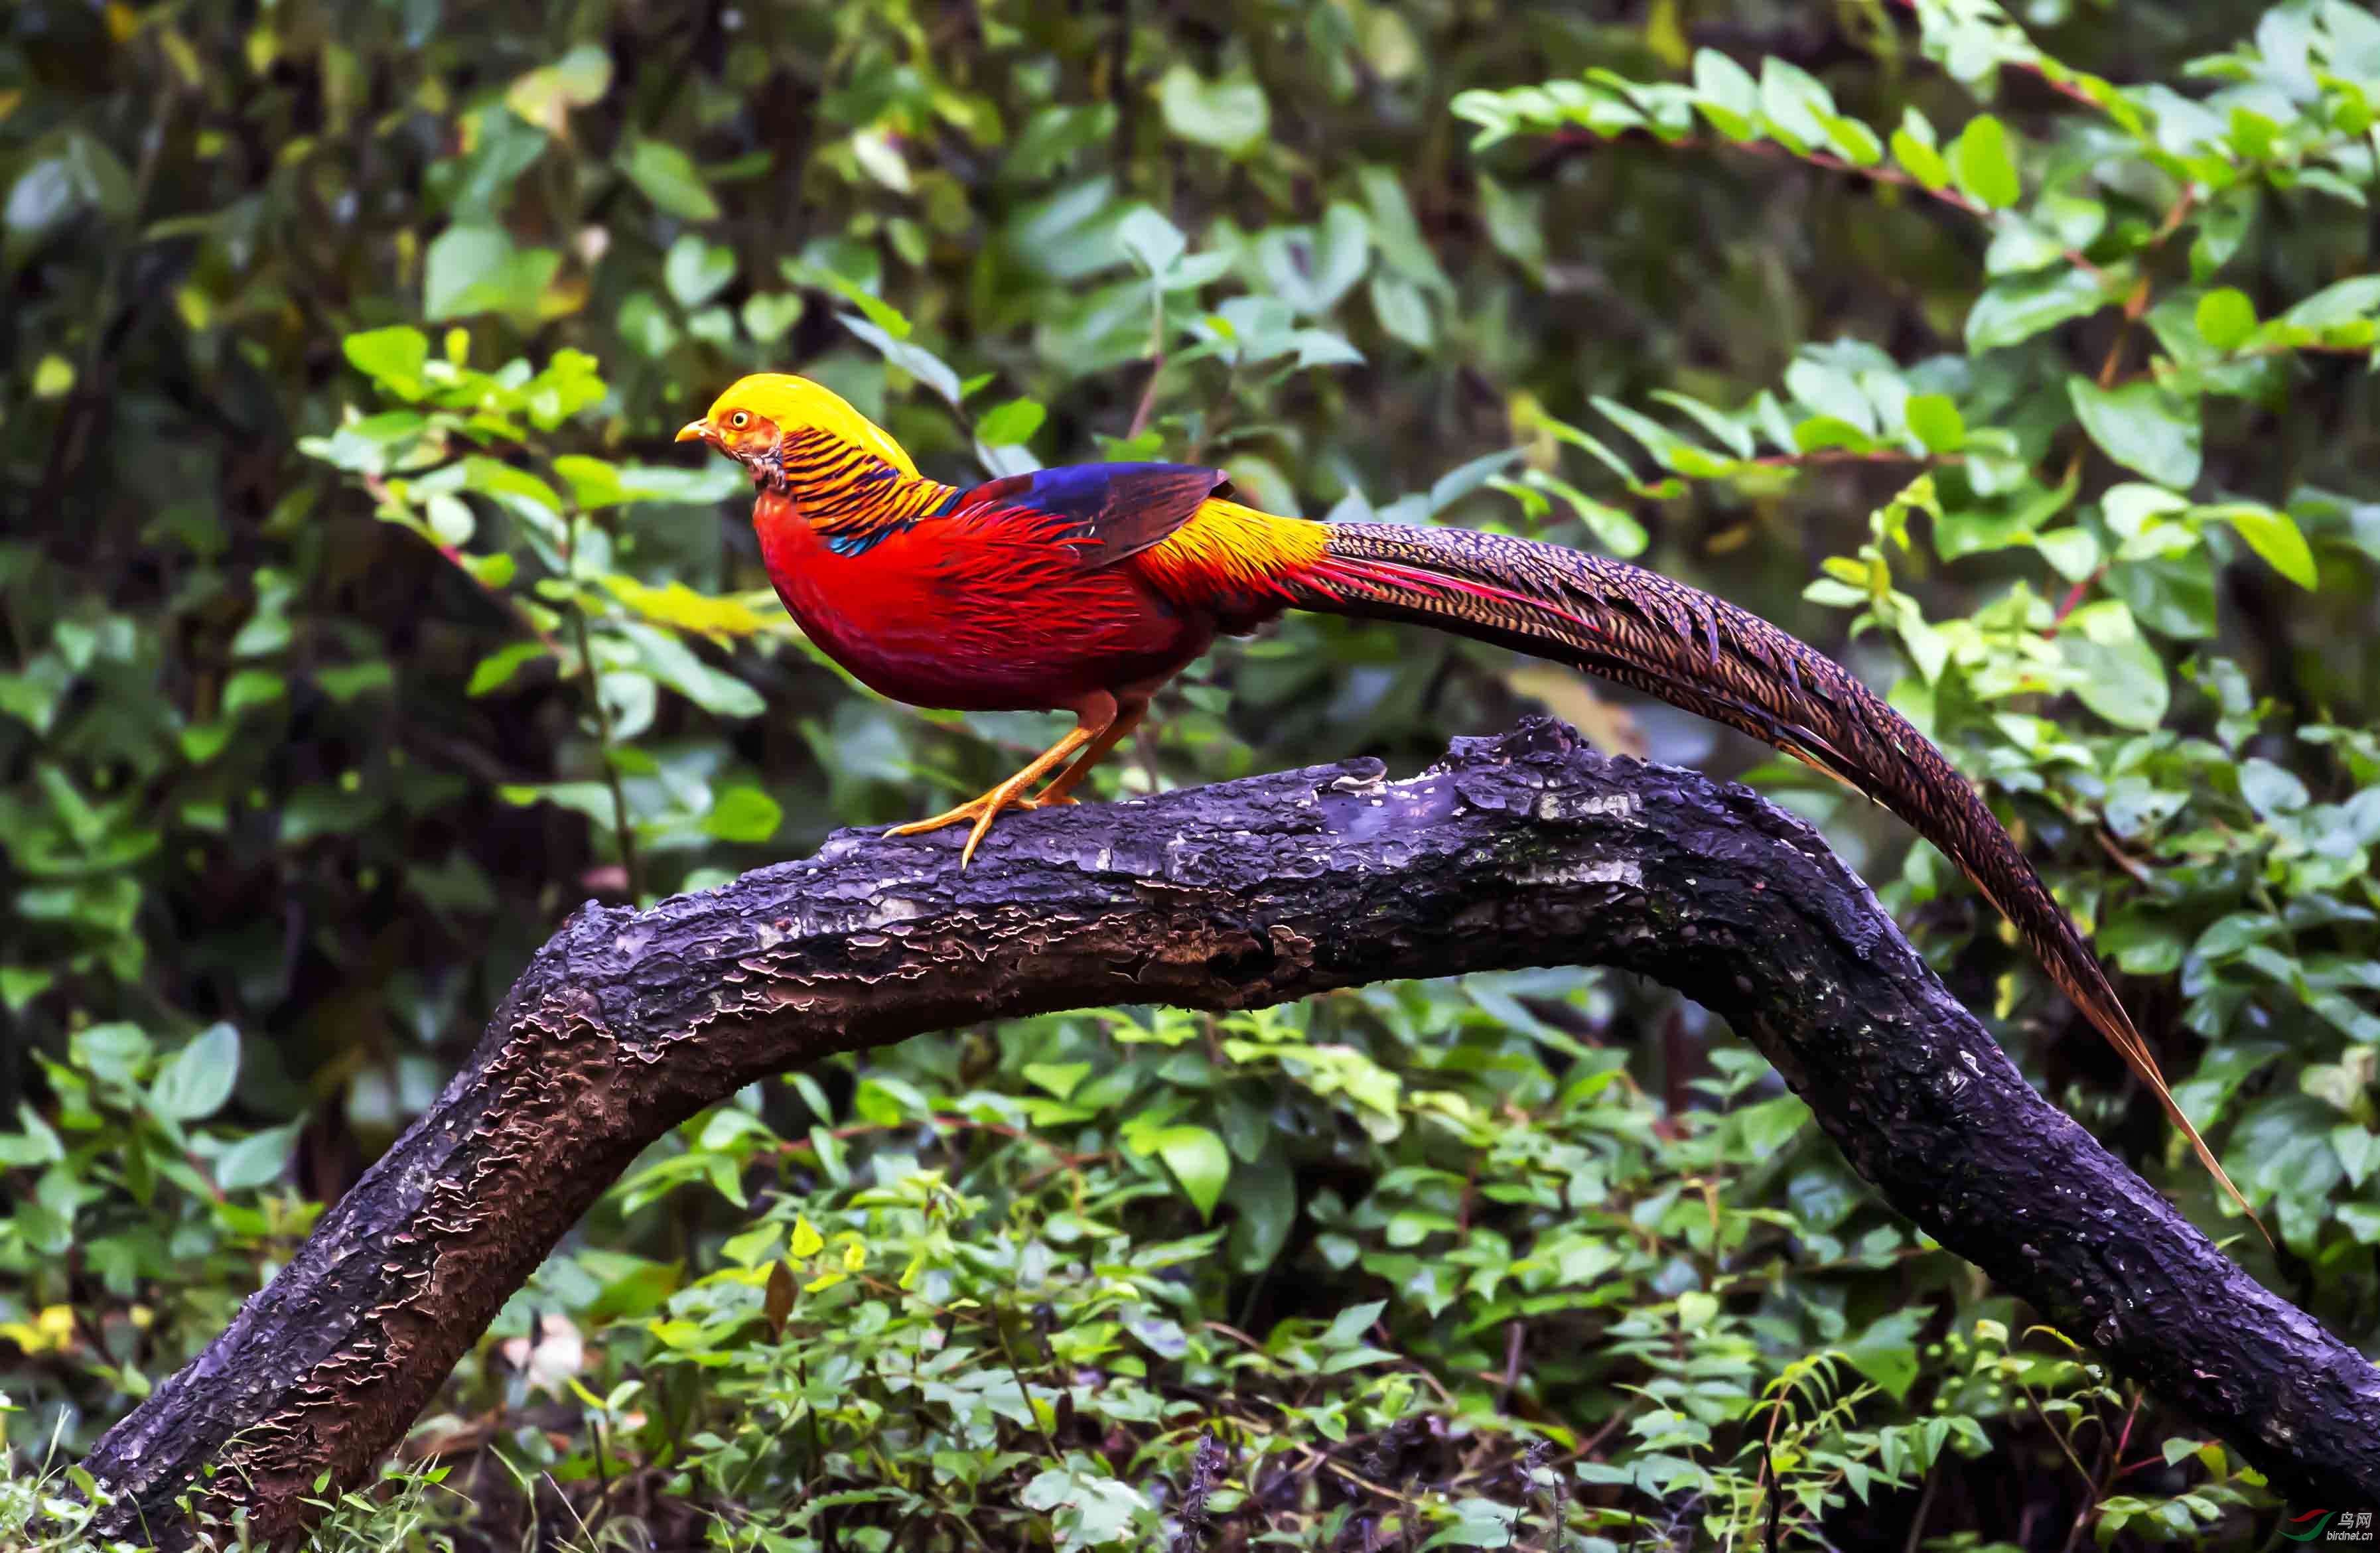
(334, 678)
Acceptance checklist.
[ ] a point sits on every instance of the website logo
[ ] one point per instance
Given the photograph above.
(2352, 1525)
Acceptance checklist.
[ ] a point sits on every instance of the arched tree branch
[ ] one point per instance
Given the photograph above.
(1525, 850)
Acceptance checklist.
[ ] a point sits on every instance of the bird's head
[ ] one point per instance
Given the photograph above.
(752, 420)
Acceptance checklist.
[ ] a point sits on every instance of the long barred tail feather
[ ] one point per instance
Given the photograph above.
(1644, 630)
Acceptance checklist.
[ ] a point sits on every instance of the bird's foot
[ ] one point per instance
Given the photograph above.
(982, 811)
(1010, 795)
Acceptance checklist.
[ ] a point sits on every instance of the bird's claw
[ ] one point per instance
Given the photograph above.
(982, 811)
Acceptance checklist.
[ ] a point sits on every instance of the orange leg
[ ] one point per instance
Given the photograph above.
(1117, 732)
(1094, 715)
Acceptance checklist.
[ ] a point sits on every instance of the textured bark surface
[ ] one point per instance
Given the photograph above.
(1524, 850)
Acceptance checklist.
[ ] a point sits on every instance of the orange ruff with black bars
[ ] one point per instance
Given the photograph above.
(1085, 589)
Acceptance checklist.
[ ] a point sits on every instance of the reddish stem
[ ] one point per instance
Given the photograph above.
(2075, 597)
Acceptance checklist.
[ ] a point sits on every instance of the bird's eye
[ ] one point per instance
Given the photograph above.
(739, 418)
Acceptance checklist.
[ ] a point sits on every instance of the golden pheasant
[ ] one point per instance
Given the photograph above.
(1085, 588)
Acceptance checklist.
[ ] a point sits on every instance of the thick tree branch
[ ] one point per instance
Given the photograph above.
(1521, 851)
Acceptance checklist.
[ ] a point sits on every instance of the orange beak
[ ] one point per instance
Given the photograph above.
(696, 432)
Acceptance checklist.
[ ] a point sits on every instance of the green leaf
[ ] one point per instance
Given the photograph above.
(1350, 1325)
(1403, 311)
(1088, 1507)
(1983, 164)
(1831, 393)
(1887, 1351)
(2227, 936)
(496, 669)
(2271, 790)
(1727, 95)
(44, 194)
(1914, 147)
(20, 985)
(2342, 302)
(1724, 428)
(910, 357)
(449, 519)
(545, 96)
(769, 315)
(2272, 535)
(1150, 241)
(2143, 426)
(2072, 553)
(2225, 318)
(253, 687)
(2173, 596)
(2140, 945)
(1231, 115)
(343, 683)
(2281, 1146)
(2119, 674)
(35, 1143)
(476, 270)
(1616, 531)
(1199, 1160)
(669, 178)
(515, 489)
(1515, 220)
(1312, 268)
(197, 1080)
(2358, 1149)
(257, 1159)
(1060, 1079)
(2019, 306)
(1263, 1202)
(1935, 422)
(116, 1052)
(696, 270)
(594, 483)
(1478, 1522)
(744, 814)
(1397, 233)
(391, 357)
(1668, 449)
(1010, 425)
(880, 159)
(670, 660)
(1795, 104)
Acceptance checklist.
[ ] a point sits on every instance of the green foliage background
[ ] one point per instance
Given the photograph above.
(359, 620)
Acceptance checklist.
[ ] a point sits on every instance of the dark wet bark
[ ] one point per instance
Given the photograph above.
(1525, 850)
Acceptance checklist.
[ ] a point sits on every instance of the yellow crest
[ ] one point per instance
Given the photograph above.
(795, 404)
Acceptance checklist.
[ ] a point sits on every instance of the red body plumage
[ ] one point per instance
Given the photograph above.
(983, 610)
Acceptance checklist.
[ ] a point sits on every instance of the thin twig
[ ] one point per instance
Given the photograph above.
(1024, 1392)
(622, 826)
(2062, 1445)
(2106, 1478)
(1924, 1503)
(2067, 606)
(1156, 362)
(512, 604)
(1515, 1340)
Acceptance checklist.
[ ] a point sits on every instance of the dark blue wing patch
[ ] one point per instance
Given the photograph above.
(1111, 511)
